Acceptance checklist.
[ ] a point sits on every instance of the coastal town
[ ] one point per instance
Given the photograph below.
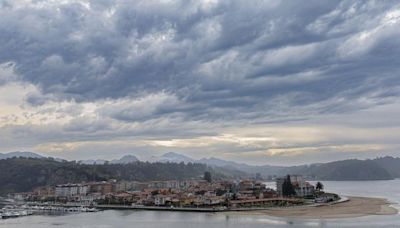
(192, 195)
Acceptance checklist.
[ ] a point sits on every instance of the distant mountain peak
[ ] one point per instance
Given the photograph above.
(169, 154)
(129, 158)
(175, 157)
(24, 154)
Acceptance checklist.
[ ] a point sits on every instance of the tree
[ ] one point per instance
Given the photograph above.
(319, 186)
(287, 187)
(207, 176)
(220, 192)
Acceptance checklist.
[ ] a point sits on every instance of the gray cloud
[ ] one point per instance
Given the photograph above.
(205, 62)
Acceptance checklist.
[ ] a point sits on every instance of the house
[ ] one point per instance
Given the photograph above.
(246, 185)
(44, 191)
(215, 200)
(91, 198)
(101, 187)
(161, 200)
(301, 187)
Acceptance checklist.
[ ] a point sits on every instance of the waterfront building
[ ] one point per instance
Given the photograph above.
(178, 193)
(301, 187)
(246, 185)
(214, 200)
(44, 191)
(161, 200)
(68, 190)
(124, 186)
(102, 187)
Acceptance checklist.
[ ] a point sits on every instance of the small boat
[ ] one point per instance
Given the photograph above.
(88, 209)
(72, 209)
(92, 209)
(23, 213)
(10, 214)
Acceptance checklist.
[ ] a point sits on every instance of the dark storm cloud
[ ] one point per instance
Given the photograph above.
(211, 58)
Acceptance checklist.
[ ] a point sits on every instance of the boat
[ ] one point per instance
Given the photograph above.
(88, 209)
(23, 213)
(10, 214)
(92, 209)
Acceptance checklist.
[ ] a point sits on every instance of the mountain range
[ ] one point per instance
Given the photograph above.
(383, 168)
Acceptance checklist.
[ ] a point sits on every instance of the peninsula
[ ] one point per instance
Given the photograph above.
(292, 197)
(351, 208)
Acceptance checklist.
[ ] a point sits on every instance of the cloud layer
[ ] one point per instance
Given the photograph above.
(137, 74)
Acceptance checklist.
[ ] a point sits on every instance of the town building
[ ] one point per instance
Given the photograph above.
(301, 187)
(69, 190)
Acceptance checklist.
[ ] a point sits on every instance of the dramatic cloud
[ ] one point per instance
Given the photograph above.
(193, 76)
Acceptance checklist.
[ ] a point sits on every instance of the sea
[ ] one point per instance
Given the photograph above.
(159, 219)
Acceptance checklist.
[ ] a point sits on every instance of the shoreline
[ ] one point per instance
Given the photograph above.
(353, 207)
(347, 207)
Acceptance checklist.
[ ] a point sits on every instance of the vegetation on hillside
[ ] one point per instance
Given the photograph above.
(351, 169)
(24, 174)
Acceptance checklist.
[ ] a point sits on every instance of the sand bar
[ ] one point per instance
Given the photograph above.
(354, 207)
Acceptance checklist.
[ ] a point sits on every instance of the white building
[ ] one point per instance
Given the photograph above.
(68, 190)
(160, 200)
(301, 187)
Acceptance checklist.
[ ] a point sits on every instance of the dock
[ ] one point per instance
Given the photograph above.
(157, 208)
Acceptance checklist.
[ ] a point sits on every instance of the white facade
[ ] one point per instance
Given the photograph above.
(160, 200)
(67, 190)
(301, 187)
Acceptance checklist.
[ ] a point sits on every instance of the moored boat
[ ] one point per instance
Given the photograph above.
(10, 214)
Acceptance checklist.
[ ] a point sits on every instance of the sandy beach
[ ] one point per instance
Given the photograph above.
(354, 207)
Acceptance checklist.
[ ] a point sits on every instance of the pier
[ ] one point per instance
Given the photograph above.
(157, 208)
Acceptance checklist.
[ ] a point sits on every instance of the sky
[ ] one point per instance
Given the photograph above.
(261, 82)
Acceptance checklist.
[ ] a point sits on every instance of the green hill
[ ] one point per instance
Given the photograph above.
(23, 174)
(352, 169)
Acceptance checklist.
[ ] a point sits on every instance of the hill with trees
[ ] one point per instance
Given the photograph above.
(24, 174)
(391, 164)
(26, 171)
(351, 169)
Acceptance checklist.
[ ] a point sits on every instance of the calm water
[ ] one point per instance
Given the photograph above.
(153, 219)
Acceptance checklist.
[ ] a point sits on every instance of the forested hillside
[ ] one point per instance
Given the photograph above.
(23, 174)
(343, 170)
